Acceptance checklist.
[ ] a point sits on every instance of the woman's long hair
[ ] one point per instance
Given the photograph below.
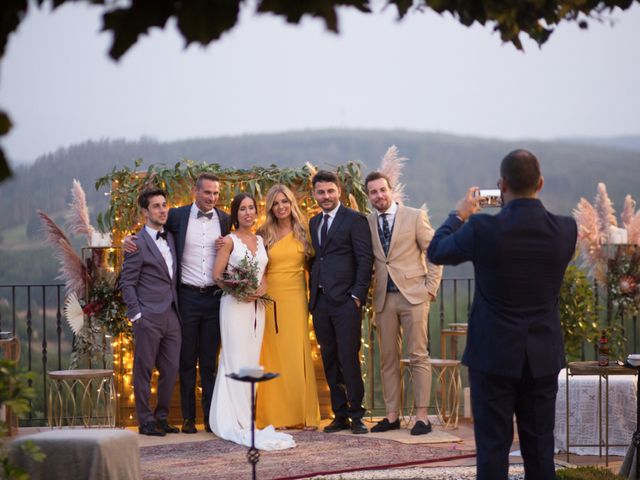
(235, 206)
(268, 230)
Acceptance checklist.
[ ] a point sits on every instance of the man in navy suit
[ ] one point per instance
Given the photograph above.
(514, 347)
(196, 227)
(148, 283)
(339, 281)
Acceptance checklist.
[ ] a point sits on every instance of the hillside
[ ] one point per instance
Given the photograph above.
(439, 170)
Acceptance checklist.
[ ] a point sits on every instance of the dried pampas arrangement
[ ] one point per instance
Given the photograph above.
(78, 216)
(596, 222)
(392, 165)
(72, 270)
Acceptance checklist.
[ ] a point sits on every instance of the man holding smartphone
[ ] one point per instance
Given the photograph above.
(514, 348)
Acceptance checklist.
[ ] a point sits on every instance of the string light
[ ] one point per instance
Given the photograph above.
(126, 221)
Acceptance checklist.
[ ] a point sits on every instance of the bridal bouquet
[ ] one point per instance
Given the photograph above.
(241, 281)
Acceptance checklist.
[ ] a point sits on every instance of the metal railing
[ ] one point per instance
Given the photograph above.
(34, 313)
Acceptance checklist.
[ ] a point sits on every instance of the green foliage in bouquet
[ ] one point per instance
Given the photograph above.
(15, 393)
(579, 317)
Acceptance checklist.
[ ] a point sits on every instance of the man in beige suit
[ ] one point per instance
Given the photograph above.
(404, 285)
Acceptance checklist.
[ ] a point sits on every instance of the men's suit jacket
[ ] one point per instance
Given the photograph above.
(405, 262)
(519, 257)
(146, 285)
(342, 265)
(178, 222)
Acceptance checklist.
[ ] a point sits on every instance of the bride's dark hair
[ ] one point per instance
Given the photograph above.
(235, 206)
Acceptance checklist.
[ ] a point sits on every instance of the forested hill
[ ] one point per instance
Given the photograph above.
(439, 170)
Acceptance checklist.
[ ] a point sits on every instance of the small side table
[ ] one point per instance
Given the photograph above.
(10, 351)
(449, 384)
(405, 363)
(88, 396)
(453, 334)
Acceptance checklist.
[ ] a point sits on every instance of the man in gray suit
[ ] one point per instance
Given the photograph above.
(148, 283)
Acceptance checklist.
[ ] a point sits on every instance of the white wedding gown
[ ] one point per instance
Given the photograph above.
(241, 331)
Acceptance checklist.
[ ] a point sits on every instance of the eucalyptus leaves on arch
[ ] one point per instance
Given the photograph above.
(125, 184)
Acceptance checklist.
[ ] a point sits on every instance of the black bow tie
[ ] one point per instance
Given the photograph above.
(202, 214)
(162, 234)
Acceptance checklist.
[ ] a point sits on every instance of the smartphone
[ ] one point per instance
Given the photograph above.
(491, 197)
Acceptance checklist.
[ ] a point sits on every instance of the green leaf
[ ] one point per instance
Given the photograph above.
(127, 24)
(203, 21)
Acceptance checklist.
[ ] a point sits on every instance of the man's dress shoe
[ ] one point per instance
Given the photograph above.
(338, 423)
(421, 428)
(166, 427)
(357, 426)
(385, 425)
(189, 426)
(150, 428)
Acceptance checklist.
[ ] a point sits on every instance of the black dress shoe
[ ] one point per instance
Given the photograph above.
(207, 427)
(150, 428)
(189, 426)
(358, 427)
(385, 425)
(421, 428)
(338, 423)
(166, 427)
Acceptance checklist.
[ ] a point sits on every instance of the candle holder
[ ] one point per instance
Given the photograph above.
(253, 455)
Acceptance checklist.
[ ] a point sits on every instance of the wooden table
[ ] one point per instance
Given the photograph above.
(86, 396)
(453, 334)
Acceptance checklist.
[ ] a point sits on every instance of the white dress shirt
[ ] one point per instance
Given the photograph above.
(332, 215)
(199, 253)
(163, 246)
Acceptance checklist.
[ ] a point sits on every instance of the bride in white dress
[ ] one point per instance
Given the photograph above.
(241, 330)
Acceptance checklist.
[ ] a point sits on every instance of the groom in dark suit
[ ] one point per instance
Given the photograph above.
(339, 281)
(514, 348)
(195, 228)
(148, 283)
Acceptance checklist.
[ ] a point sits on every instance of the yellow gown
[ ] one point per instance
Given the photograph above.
(291, 399)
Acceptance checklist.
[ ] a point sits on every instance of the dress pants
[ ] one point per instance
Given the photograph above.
(156, 344)
(399, 319)
(200, 313)
(495, 399)
(338, 330)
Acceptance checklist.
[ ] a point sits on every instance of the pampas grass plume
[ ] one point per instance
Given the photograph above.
(392, 165)
(78, 216)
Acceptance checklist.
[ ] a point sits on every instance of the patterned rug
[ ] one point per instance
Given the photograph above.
(316, 454)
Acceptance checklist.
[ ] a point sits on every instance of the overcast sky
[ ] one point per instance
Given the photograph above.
(426, 73)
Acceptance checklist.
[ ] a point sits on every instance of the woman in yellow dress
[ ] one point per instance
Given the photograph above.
(291, 400)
